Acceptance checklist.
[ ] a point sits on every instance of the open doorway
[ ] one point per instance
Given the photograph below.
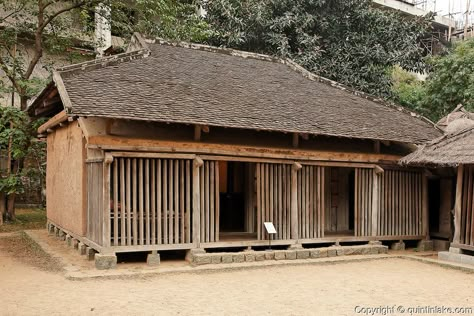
(237, 196)
(339, 211)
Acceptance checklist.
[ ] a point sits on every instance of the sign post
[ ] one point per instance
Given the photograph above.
(270, 231)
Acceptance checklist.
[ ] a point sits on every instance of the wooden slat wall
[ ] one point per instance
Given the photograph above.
(400, 203)
(273, 198)
(467, 207)
(311, 199)
(363, 201)
(250, 217)
(150, 201)
(95, 204)
(209, 178)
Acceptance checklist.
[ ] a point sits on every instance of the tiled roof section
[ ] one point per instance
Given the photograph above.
(211, 86)
(448, 150)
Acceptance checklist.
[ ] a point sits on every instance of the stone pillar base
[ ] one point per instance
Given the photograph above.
(455, 250)
(191, 252)
(295, 247)
(104, 262)
(398, 245)
(153, 259)
(425, 245)
(375, 242)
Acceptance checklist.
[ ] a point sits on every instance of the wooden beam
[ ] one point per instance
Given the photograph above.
(53, 122)
(295, 141)
(197, 133)
(375, 203)
(196, 219)
(457, 205)
(147, 145)
(294, 200)
(378, 169)
(377, 146)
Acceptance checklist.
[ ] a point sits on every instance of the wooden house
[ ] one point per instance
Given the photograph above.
(186, 146)
(455, 151)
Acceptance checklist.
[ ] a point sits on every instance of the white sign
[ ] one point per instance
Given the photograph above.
(270, 228)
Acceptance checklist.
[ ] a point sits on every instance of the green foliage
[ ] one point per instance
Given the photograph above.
(18, 136)
(347, 41)
(451, 81)
(408, 90)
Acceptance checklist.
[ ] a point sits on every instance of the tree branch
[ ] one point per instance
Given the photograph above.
(5, 69)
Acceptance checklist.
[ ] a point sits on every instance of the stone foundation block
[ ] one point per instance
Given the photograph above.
(61, 235)
(302, 254)
(425, 245)
(202, 258)
(216, 258)
(50, 229)
(269, 255)
(81, 248)
(249, 257)
(441, 245)
(280, 254)
(332, 251)
(382, 249)
(75, 243)
(153, 259)
(90, 253)
(318, 253)
(375, 242)
(455, 250)
(226, 258)
(290, 254)
(373, 250)
(105, 261)
(398, 246)
(259, 256)
(238, 257)
(68, 240)
(191, 252)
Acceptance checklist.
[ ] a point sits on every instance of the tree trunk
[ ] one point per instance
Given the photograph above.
(2, 206)
(23, 103)
(11, 207)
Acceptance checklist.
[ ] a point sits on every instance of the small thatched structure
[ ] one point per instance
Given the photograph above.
(449, 150)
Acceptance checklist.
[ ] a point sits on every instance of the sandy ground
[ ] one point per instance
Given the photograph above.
(333, 289)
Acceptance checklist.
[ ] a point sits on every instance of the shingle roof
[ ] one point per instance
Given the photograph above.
(198, 84)
(448, 150)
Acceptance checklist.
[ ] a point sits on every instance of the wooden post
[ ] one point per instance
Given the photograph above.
(295, 140)
(294, 200)
(106, 200)
(196, 219)
(457, 206)
(426, 222)
(375, 203)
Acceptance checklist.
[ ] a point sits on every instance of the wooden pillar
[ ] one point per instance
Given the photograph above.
(106, 200)
(196, 219)
(294, 200)
(457, 206)
(375, 203)
(425, 218)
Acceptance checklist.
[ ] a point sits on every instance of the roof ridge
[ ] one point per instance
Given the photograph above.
(102, 62)
(295, 67)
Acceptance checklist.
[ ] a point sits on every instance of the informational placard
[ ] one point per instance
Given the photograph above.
(269, 228)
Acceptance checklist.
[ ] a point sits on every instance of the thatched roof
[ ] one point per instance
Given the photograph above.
(198, 84)
(449, 150)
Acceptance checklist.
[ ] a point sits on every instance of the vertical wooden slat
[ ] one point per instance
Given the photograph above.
(159, 202)
(135, 201)
(188, 202)
(123, 203)
(318, 203)
(467, 232)
(147, 202)
(116, 202)
(165, 201)
(206, 199)
(171, 206)
(197, 202)
(311, 201)
(106, 233)
(217, 201)
(129, 203)
(294, 202)
(375, 203)
(425, 218)
(176, 218)
(212, 201)
(202, 205)
(458, 205)
(259, 201)
(153, 201)
(182, 219)
(140, 202)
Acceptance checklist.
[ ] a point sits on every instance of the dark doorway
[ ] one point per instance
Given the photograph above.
(339, 217)
(232, 200)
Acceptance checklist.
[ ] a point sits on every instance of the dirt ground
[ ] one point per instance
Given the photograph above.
(333, 289)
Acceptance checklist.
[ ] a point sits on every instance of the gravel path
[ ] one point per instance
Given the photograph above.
(287, 290)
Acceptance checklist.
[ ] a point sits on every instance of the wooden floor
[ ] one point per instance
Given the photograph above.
(237, 236)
